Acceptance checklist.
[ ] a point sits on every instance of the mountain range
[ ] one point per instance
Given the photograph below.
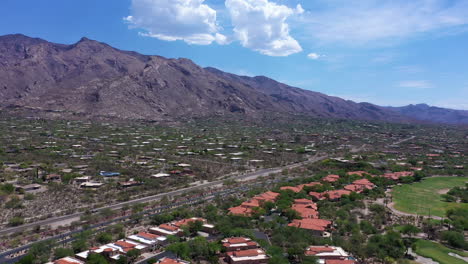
(92, 79)
(433, 114)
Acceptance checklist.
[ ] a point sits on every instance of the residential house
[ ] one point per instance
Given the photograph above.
(300, 187)
(360, 185)
(335, 195)
(167, 260)
(28, 188)
(359, 173)
(316, 226)
(291, 188)
(397, 175)
(326, 252)
(67, 260)
(305, 208)
(152, 241)
(246, 208)
(166, 230)
(109, 174)
(249, 256)
(91, 185)
(127, 184)
(238, 243)
(331, 178)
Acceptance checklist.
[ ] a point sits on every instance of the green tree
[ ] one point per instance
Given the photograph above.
(410, 230)
(38, 253)
(104, 238)
(63, 252)
(133, 254)
(7, 188)
(79, 245)
(161, 219)
(28, 259)
(123, 260)
(16, 221)
(180, 249)
(454, 239)
(291, 214)
(94, 258)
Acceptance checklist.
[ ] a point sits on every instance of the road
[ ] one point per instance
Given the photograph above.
(17, 253)
(402, 140)
(250, 175)
(13, 255)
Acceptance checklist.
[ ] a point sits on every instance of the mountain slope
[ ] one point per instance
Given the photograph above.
(433, 114)
(94, 79)
(309, 102)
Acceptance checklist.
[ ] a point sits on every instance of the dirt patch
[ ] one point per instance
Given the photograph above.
(443, 191)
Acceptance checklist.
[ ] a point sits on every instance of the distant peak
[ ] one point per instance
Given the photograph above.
(84, 39)
(21, 38)
(423, 105)
(17, 35)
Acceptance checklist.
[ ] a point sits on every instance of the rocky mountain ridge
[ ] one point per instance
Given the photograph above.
(91, 79)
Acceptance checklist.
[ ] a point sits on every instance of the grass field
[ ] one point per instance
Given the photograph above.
(424, 197)
(438, 252)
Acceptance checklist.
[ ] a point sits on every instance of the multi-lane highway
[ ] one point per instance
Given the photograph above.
(250, 175)
(5, 257)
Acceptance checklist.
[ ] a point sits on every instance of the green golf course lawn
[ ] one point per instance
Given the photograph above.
(438, 252)
(425, 198)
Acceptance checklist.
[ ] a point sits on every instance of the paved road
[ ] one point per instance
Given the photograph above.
(401, 141)
(250, 175)
(5, 257)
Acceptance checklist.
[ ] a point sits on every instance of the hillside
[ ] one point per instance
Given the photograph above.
(433, 114)
(92, 79)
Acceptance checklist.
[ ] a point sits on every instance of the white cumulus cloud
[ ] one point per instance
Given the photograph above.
(189, 20)
(418, 84)
(359, 22)
(314, 56)
(261, 25)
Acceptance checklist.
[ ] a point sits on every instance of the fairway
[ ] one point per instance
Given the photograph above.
(438, 252)
(424, 197)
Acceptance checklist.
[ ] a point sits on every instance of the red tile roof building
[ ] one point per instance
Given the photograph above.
(184, 222)
(316, 225)
(360, 185)
(245, 209)
(397, 175)
(238, 243)
(292, 188)
(267, 196)
(67, 260)
(249, 256)
(175, 227)
(242, 250)
(317, 195)
(326, 252)
(305, 208)
(300, 187)
(359, 173)
(334, 195)
(331, 178)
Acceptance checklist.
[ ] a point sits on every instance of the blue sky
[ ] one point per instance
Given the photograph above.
(388, 52)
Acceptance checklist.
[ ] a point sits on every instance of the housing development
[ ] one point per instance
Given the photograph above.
(307, 191)
(234, 132)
